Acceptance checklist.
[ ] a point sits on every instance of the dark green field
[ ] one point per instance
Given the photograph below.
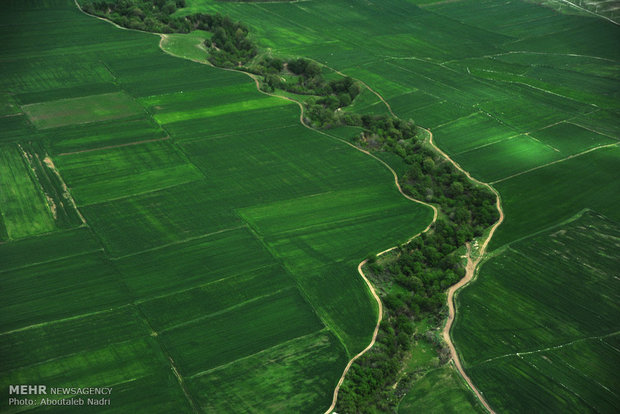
(169, 231)
(558, 340)
(520, 95)
(213, 233)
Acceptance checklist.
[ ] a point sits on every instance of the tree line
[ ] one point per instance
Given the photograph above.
(230, 44)
(421, 270)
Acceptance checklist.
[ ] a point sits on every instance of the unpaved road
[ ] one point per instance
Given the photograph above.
(470, 270)
(471, 264)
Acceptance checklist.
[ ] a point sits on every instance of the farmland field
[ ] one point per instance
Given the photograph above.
(163, 225)
(563, 299)
(520, 95)
(24, 209)
(440, 390)
(170, 232)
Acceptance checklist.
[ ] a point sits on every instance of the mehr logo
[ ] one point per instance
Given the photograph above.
(27, 389)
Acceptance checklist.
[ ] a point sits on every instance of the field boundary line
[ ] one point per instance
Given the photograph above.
(222, 366)
(11, 115)
(579, 154)
(70, 318)
(45, 198)
(47, 160)
(140, 301)
(55, 259)
(226, 135)
(72, 354)
(128, 144)
(190, 239)
(491, 143)
(590, 129)
(143, 193)
(527, 52)
(569, 220)
(570, 3)
(179, 378)
(228, 309)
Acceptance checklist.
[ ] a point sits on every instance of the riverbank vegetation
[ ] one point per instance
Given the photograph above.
(413, 278)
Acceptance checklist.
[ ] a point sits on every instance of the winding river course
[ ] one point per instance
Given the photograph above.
(471, 263)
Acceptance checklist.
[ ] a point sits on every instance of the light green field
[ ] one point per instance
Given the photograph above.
(463, 134)
(245, 105)
(440, 391)
(81, 110)
(558, 192)
(187, 46)
(22, 204)
(169, 253)
(570, 139)
(508, 157)
(239, 196)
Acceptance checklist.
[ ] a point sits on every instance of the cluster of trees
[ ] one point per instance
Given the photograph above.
(150, 16)
(305, 77)
(386, 132)
(422, 269)
(230, 44)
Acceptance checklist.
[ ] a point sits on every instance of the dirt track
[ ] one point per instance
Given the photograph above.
(470, 271)
(471, 264)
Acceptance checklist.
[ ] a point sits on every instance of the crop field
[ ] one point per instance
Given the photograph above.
(163, 225)
(557, 192)
(440, 390)
(520, 95)
(24, 209)
(169, 231)
(461, 135)
(563, 298)
(81, 110)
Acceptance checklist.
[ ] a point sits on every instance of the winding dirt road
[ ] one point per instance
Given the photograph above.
(470, 271)
(396, 183)
(470, 268)
(471, 264)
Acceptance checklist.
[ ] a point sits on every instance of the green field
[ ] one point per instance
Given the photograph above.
(24, 209)
(519, 94)
(217, 238)
(440, 391)
(559, 349)
(159, 275)
(81, 110)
